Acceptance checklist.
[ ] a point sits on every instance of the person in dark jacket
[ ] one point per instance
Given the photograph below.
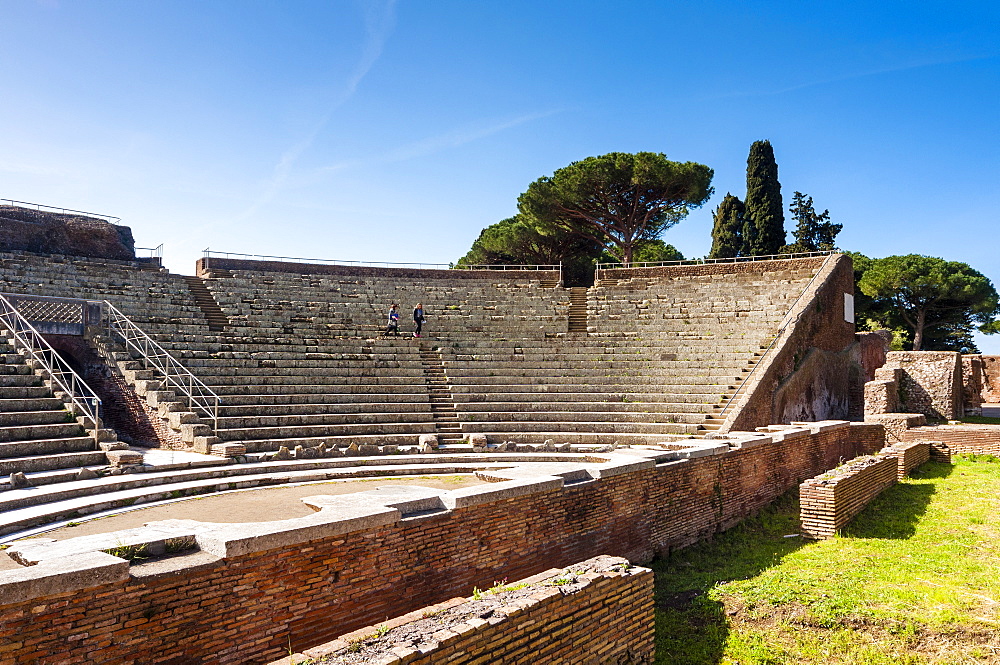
(418, 319)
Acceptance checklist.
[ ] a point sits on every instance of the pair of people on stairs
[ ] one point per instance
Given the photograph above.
(418, 320)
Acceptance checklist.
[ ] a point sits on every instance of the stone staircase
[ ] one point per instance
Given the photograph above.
(577, 309)
(38, 435)
(717, 418)
(214, 315)
(449, 430)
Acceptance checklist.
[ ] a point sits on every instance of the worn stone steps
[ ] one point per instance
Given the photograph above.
(347, 400)
(351, 408)
(23, 509)
(316, 419)
(587, 427)
(543, 404)
(50, 431)
(319, 431)
(50, 460)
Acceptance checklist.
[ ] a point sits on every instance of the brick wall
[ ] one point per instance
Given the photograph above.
(206, 265)
(910, 456)
(960, 439)
(991, 379)
(734, 268)
(830, 501)
(250, 589)
(972, 385)
(930, 383)
(819, 327)
(569, 616)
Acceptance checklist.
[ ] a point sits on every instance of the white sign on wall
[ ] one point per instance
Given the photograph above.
(849, 307)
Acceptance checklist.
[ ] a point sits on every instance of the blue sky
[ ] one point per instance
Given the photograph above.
(396, 131)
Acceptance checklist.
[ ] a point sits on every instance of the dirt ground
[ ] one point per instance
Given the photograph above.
(252, 505)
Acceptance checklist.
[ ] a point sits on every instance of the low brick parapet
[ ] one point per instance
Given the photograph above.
(597, 610)
(831, 500)
(910, 456)
(961, 439)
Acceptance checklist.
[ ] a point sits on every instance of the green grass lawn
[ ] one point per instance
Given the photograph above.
(914, 579)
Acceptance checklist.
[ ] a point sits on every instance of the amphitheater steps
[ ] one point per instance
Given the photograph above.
(37, 433)
(216, 318)
(446, 422)
(26, 508)
(717, 419)
(577, 309)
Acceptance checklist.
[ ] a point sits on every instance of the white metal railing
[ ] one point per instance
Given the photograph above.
(83, 399)
(208, 253)
(788, 321)
(154, 252)
(40, 206)
(703, 261)
(514, 266)
(201, 399)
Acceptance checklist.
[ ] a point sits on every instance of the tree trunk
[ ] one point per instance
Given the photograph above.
(918, 330)
(627, 254)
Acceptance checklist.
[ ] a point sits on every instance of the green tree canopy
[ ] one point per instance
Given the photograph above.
(619, 199)
(648, 251)
(813, 232)
(764, 232)
(518, 240)
(727, 231)
(941, 302)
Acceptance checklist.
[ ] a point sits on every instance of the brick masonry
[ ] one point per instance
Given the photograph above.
(204, 266)
(930, 382)
(960, 439)
(810, 373)
(831, 500)
(607, 618)
(990, 379)
(722, 268)
(251, 589)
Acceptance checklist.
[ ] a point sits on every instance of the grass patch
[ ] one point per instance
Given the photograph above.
(979, 420)
(914, 579)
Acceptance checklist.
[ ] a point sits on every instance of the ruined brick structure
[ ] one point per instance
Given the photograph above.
(311, 579)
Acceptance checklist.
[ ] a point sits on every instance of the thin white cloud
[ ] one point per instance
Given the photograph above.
(434, 144)
(379, 19)
(849, 77)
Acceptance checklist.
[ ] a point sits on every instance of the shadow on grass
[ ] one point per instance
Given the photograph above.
(691, 628)
(896, 512)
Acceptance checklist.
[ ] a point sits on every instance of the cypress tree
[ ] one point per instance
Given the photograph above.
(727, 233)
(764, 210)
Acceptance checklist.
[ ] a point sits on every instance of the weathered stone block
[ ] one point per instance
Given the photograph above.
(228, 449)
(121, 458)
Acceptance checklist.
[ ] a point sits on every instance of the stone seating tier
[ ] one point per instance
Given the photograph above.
(37, 433)
(300, 362)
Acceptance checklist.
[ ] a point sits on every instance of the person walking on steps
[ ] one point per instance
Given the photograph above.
(418, 319)
(393, 327)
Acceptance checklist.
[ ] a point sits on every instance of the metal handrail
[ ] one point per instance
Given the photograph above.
(208, 253)
(513, 266)
(154, 252)
(60, 373)
(201, 398)
(39, 207)
(777, 335)
(509, 266)
(704, 261)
